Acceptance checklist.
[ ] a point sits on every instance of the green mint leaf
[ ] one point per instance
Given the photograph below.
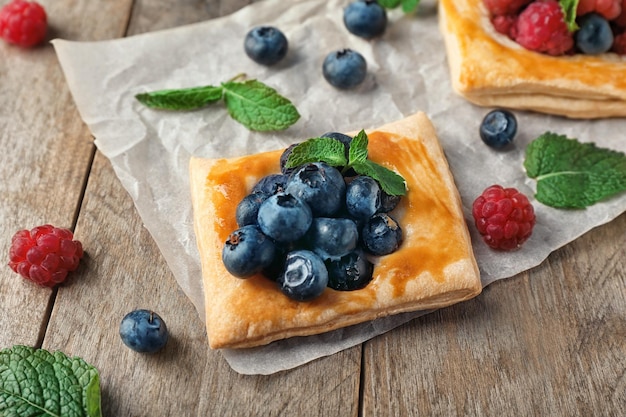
(389, 181)
(181, 99)
(328, 150)
(569, 13)
(389, 4)
(358, 148)
(408, 6)
(257, 106)
(571, 174)
(36, 382)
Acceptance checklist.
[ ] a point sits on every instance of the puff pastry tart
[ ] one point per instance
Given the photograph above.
(489, 69)
(434, 267)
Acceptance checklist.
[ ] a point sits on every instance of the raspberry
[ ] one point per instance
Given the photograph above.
(505, 7)
(23, 23)
(619, 44)
(541, 27)
(504, 217)
(506, 25)
(609, 9)
(44, 254)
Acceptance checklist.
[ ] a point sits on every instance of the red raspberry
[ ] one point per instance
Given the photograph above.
(506, 25)
(541, 27)
(609, 9)
(44, 254)
(619, 44)
(23, 23)
(620, 20)
(505, 7)
(504, 217)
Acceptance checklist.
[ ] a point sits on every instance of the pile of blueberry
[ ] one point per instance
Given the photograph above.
(312, 227)
(343, 68)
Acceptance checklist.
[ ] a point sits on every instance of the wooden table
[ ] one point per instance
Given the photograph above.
(549, 342)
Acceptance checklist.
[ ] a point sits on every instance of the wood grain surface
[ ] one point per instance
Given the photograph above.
(549, 342)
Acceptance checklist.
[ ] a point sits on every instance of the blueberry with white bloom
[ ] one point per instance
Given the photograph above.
(305, 276)
(344, 69)
(284, 217)
(266, 45)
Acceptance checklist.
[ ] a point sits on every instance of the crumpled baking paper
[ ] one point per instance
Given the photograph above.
(407, 72)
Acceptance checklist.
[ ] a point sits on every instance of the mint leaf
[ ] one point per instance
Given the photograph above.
(251, 103)
(181, 99)
(408, 6)
(257, 106)
(327, 150)
(358, 148)
(571, 174)
(569, 13)
(35, 382)
(332, 152)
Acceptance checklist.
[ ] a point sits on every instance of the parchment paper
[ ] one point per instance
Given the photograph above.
(407, 71)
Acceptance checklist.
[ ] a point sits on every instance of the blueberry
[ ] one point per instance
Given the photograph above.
(284, 217)
(247, 251)
(388, 202)
(284, 157)
(266, 45)
(305, 276)
(498, 128)
(346, 140)
(271, 184)
(365, 18)
(344, 69)
(248, 208)
(143, 331)
(594, 35)
(351, 272)
(381, 234)
(363, 197)
(332, 238)
(321, 186)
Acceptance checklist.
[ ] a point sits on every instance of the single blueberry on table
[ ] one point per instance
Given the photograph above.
(143, 331)
(351, 272)
(344, 69)
(365, 18)
(284, 217)
(498, 128)
(266, 45)
(594, 35)
(247, 251)
(321, 186)
(332, 238)
(381, 235)
(305, 276)
(248, 208)
(363, 197)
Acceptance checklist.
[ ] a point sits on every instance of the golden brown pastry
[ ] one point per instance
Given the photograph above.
(489, 69)
(434, 266)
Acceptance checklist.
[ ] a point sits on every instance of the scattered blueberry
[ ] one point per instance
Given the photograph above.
(381, 234)
(351, 272)
(363, 197)
(266, 45)
(594, 35)
(143, 331)
(248, 208)
(321, 186)
(332, 238)
(271, 184)
(284, 217)
(498, 128)
(305, 276)
(247, 251)
(344, 69)
(365, 18)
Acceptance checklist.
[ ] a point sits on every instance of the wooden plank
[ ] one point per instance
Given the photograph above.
(124, 270)
(548, 342)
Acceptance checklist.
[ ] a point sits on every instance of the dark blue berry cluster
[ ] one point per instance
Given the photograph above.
(313, 227)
